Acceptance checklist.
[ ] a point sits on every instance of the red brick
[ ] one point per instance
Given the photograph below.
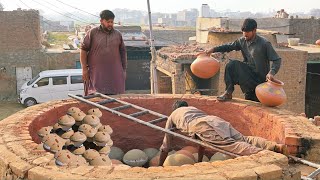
(293, 140)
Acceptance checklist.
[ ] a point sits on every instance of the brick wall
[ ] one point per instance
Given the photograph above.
(20, 30)
(171, 36)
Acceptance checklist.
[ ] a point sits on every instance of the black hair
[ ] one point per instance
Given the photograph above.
(107, 14)
(178, 104)
(249, 25)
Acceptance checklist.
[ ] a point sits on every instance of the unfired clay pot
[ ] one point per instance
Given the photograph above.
(96, 112)
(92, 120)
(271, 93)
(205, 66)
(318, 42)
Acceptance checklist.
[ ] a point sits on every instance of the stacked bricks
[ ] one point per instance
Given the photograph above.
(20, 158)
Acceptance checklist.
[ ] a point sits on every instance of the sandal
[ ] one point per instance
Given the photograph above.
(225, 96)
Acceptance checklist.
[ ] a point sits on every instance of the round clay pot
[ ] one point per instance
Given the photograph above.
(44, 131)
(205, 66)
(101, 161)
(271, 93)
(186, 153)
(79, 151)
(191, 149)
(84, 127)
(135, 158)
(96, 112)
(151, 152)
(78, 117)
(56, 127)
(116, 162)
(177, 160)
(78, 138)
(64, 158)
(106, 128)
(105, 150)
(318, 42)
(116, 153)
(218, 156)
(72, 110)
(154, 161)
(91, 154)
(67, 134)
(66, 122)
(92, 120)
(102, 139)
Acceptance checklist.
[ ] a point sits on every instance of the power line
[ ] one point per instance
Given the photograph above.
(78, 9)
(60, 12)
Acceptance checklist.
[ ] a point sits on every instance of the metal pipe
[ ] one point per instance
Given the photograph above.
(314, 174)
(311, 164)
(153, 126)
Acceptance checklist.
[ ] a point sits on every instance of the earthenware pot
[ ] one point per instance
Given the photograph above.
(205, 66)
(318, 42)
(271, 93)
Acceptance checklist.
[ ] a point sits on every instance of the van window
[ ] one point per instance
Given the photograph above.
(76, 79)
(43, 82)
(33, 80)
(59, 80)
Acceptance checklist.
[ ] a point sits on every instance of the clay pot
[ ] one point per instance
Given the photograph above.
(271, 93)
(102, 139)
(72, 110)
(105, 150)
(96, 112)
(116, 162)
(66, 122)
(78, 138)
(191, 149)
(151, 152)
(44, 131)
(64, 158)
(318, 42)
(116, 153)
(101, 161)
(78, 117)
(204, 158)
(79, 151)
(177, 160)
(91, 154)
(154, 161)
(106, 128)
(205, 66)
(219, 157)
(186, 153)
(135, 158)
(67, 134)
(92, 120)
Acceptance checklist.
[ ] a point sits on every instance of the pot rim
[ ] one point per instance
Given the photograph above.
(276, 82)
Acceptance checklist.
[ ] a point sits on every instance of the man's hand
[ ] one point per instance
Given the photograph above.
(206, 52)
(124, 74)
(270, 76)
(85, 75)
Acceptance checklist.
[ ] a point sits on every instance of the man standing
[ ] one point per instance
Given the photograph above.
(212, 130)
(103, 58)
(255, 68)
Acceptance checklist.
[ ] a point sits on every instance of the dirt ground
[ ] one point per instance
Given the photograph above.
(8, 108)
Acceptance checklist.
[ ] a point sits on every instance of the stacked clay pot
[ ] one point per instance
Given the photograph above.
(78, 139)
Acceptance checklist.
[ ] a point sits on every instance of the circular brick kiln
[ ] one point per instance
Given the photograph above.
(19, 157)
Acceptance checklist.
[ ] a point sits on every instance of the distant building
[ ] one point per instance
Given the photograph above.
(281, 14)
(205, 10)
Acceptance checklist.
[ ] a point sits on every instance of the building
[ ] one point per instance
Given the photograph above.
(205, 11)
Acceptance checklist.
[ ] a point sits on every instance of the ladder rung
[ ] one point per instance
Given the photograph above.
(121, 107)
(155, 121)
(139, 113)
(106, 101)
(91, 96)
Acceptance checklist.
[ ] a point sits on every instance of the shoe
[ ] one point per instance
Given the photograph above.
(281, 148)
(225, 96)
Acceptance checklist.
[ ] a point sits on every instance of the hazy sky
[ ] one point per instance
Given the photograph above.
(170, 6)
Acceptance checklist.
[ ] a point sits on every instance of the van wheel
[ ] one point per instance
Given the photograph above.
(30, 102)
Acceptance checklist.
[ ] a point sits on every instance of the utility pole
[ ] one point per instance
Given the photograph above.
(153, 65)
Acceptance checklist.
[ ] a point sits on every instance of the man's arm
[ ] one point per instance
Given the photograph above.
(84, 64)
(123, 55)
(167, 140)
(84, 49)
(234, 46)
(276, 61)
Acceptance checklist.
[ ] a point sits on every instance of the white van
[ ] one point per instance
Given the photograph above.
(51, 85)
